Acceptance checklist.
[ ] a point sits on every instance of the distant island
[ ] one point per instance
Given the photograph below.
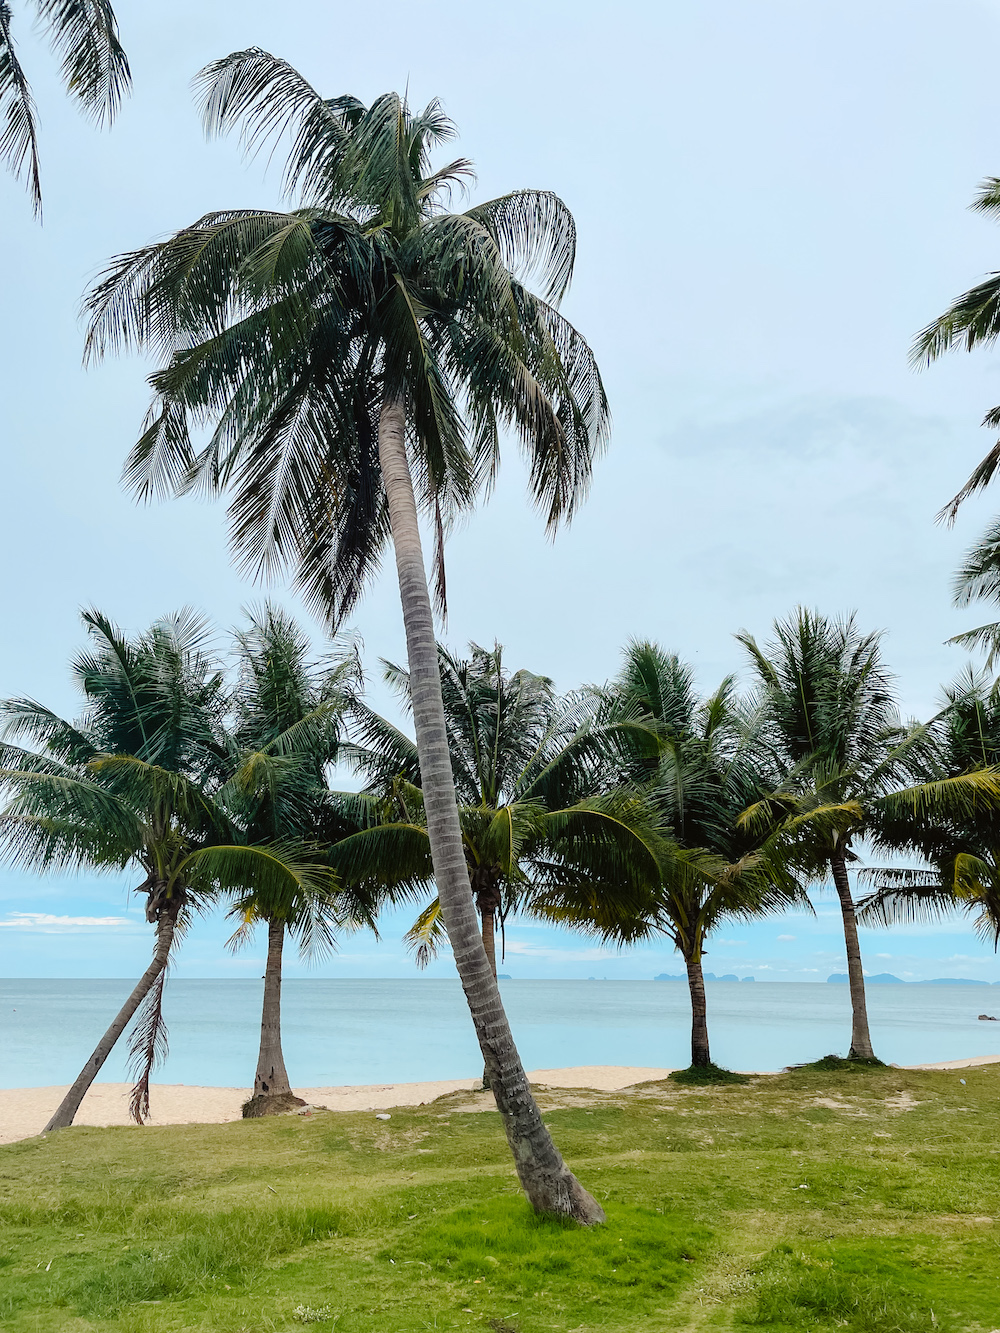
(887, 979)
(709, 976)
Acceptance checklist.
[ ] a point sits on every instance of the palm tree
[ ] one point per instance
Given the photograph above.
(130, 784)
(286, 731)
(830, 724)
(698, 778)
(357, 359)
(961, 856)
(528, 766)
(95, 71)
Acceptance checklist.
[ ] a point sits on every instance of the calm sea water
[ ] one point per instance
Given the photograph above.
(383, 1031)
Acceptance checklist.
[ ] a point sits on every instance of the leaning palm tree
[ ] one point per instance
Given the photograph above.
(286, 732)
(355, 361)
(130, 785)
(95, 71)
(830, 724)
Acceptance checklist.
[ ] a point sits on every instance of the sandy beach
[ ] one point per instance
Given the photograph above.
(23, 1111)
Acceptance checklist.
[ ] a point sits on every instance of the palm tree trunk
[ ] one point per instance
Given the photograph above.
(271, 1079)
(549, 1184)
(489, 938)
(489, 944)
(861, 1042)
(700, 1055)
(166, 924)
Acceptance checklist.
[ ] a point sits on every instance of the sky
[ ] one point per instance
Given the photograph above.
(771, 199)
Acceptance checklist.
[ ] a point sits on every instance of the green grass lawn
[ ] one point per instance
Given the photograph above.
(864, 1200)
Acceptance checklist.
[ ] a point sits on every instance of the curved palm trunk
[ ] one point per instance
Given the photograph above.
(547, 1181)
(700, 1055)
(166, 924)
(861, 1042)
(271, 1079)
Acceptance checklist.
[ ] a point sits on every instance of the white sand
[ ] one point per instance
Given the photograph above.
(23, 1111)
(960, 1064)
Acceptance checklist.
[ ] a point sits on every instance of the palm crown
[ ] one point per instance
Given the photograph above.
(284, 332)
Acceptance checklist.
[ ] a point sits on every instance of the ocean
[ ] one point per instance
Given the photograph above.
(394, 1031)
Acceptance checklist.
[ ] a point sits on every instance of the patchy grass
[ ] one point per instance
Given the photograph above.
(824, 1199)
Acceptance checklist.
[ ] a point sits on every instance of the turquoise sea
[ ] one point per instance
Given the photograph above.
(380, 1031)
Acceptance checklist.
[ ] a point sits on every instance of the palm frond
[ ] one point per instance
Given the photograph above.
(95, 69)
(427, 934)
(148, 1048)
(18, 133)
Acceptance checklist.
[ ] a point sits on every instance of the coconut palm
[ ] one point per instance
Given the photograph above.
(131, 784)
(960, 869)
(355, 360)
(84, 34)
(698, 778)
(533, 775)
(286, 731)
(830, 723)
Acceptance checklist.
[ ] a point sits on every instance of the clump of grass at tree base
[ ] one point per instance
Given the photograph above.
(766, 1205)
(700, 1075)
(840, 1063)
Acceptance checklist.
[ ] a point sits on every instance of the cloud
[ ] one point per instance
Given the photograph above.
(558, 955)
(786, 937)
(45, 923)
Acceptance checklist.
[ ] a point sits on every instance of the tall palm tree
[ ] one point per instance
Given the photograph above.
(357, 359)
(831, 726)
(286, 731)
(698, 778)
(130, 784)
(84, 34)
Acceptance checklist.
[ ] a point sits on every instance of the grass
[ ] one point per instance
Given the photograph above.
(705, 1075)
(863, 1200)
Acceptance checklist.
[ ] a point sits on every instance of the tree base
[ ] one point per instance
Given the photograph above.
(701, 1075)
(276, 1103)
(833, 1063)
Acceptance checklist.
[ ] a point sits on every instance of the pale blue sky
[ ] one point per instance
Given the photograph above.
(771, 199)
